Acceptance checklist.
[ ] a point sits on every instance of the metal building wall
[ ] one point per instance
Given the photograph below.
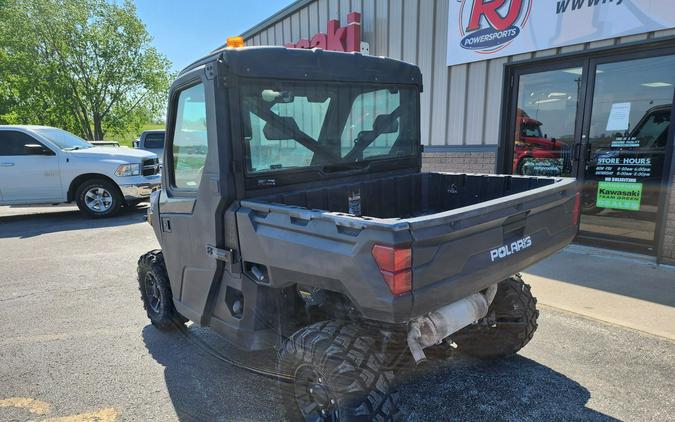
(461, 105)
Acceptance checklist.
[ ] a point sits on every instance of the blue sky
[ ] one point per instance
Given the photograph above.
(185, 30)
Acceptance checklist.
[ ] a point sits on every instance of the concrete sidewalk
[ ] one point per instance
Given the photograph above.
(624, 289)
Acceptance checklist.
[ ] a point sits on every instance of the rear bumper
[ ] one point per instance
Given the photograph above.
(141, 190)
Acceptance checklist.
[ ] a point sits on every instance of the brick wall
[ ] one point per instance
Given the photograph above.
(669, 239)
(459, 162)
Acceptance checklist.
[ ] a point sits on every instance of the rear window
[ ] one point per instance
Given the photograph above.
(291, 125)
(154, 141)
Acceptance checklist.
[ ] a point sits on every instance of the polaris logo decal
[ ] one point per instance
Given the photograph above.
(487, 26)
(508, 250)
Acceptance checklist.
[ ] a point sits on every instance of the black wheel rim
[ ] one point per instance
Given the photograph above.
(152, 293)
(314, 398)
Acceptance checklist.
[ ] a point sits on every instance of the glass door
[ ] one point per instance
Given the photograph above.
(544, 128)
(624, 152)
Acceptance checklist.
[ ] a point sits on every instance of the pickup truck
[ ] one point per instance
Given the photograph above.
(46, 165)
(153, 141)
(294, 215)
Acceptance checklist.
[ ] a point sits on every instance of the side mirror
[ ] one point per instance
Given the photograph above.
(37, 149)
(283, 128)
(546, 136)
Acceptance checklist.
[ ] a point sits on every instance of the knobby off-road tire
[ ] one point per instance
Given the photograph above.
(153, 283)
(337, 375)
(99, 198)
(512, 321)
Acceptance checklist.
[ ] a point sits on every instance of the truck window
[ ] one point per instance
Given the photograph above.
(189, 138)
(654, 131)
(154, 141)
(288, 125)
(12, 142)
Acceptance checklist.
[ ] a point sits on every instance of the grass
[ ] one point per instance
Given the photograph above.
(127, 138)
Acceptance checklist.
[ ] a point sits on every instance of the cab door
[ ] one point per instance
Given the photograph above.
(29, 170)
(194, 195)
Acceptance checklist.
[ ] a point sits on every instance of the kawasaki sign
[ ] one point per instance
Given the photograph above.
(485, 29)
(619, 196)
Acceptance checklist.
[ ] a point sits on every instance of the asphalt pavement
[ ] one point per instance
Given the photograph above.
(75, 345)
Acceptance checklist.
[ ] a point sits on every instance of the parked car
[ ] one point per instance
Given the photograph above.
(46, 165)
(153, 141)
(281, 230)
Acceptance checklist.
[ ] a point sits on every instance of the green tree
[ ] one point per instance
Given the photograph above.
(83, 65)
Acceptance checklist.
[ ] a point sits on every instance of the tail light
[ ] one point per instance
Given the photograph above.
(577, 209)
(395, 264)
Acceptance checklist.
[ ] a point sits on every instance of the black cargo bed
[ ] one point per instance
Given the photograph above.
(411, 195)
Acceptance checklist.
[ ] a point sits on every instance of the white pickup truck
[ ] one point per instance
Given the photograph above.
(46, 165)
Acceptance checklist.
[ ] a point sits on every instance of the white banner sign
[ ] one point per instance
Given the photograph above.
(486, 29)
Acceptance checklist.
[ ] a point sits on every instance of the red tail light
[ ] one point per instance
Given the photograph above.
(395, 264)
(577, 209)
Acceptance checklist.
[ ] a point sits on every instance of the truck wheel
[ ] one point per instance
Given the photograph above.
(509, 325)
(98, 198)
(337, 374)
(153, 282)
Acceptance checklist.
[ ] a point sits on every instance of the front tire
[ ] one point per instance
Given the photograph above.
(337, 374)
(509, 325)
(99, 198)
(153, 283)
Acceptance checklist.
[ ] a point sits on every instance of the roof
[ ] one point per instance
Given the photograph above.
(29, 127)
(314, 64)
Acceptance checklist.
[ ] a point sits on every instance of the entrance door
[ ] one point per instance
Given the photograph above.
(544, 129)
(626, 134)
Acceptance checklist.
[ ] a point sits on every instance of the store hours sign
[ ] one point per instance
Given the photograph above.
(485, 29)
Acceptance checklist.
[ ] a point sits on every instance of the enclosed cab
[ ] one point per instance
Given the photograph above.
(294, 215)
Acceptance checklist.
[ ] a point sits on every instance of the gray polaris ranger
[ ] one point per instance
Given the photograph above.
(294, 215)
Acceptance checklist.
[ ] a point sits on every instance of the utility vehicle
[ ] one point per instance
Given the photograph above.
(294, 215)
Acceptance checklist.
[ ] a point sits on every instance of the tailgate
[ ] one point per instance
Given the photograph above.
(460, 252)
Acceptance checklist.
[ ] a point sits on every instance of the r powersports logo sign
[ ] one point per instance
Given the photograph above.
(489, 29)
(487, 26)
(508, 250)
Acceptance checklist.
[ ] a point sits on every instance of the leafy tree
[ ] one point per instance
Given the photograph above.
(84, 65)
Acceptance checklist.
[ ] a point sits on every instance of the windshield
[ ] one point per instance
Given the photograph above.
(530, 130)
(66, 141)
(293, 125)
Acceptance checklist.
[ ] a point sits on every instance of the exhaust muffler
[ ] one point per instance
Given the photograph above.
(434, 327)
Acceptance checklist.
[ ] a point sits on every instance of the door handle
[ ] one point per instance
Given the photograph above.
(6, 164)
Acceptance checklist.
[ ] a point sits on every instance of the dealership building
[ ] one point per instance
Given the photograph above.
(579, 88)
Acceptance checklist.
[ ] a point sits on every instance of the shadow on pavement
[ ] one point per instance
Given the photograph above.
(202, 387)
(512, 389)
(35, 224)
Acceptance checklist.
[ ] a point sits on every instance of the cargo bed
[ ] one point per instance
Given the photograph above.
(466, 232)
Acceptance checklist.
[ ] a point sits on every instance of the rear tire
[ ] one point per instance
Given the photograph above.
(337, 374)
(99, 198)
(153, 283)
(509, 325)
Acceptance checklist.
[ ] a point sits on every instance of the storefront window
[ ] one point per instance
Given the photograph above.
(626, 149)
(545, 122)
